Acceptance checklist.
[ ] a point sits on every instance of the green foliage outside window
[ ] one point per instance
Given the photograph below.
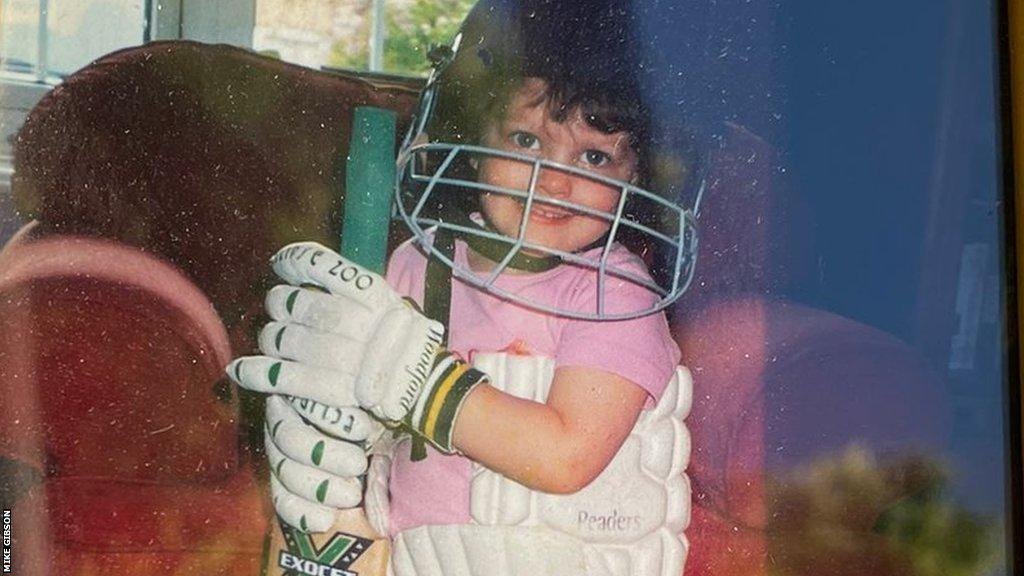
(409, 33)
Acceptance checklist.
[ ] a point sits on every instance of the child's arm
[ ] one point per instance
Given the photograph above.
(559, 446)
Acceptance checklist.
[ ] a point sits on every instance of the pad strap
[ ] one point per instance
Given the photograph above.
(437, 289)
(437, 304)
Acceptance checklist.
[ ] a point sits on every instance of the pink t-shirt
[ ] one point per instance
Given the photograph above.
(436, 490)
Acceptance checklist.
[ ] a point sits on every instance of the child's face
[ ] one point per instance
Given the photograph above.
(529, 129)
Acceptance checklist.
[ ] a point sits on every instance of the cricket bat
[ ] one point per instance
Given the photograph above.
(351, 547)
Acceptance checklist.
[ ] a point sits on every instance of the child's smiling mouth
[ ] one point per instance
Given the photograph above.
(548, 214)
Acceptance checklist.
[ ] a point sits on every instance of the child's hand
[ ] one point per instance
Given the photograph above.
(358, 344)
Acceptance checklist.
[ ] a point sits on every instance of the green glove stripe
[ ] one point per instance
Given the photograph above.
(318, 452)
(277, 469)
(302, 524)
(273, 431)
(290, 303)
(238, 371)
(434, 391)
(321, 491)
(452, 402)
(277, 339)
(273, 373)
(444, 399)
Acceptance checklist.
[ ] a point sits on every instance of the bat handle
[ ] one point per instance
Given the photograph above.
(369, 188)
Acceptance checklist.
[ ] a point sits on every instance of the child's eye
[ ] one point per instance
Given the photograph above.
(525, 140)
(596, 158)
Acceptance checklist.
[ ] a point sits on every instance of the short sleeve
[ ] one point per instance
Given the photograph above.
(641, 350)
(406, 271)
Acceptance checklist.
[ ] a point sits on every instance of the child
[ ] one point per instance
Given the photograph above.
(526, 164)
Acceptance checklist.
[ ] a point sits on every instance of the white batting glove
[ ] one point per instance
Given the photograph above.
(312, 474)
(346, 422)
(359, 344)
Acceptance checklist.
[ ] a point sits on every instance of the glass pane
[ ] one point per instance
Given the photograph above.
(412, 30)
(76, 32)
(19, 32)
(868, 206)
(79, 32)
(309, 31)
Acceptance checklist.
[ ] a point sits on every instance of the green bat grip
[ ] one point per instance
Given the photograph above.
(369, 188)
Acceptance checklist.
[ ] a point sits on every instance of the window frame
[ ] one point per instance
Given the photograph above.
(1010, 26)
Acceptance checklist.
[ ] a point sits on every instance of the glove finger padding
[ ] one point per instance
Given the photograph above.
(307, 445)
(311, 347)
(313, 484)
(299, 512)
(275, 376)
(311, 263)
(345, 422)
(320, 311)
(398, 374)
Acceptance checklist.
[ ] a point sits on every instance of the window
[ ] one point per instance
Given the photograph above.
(48, 39)
(390, 36)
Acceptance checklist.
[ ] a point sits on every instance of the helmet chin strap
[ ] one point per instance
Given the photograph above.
(497, 251)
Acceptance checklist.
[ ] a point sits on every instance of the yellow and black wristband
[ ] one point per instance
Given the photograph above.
(433, 419)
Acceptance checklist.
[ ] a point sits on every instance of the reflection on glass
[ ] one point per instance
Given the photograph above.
(856, 513)
(844, 328)
(863, 373)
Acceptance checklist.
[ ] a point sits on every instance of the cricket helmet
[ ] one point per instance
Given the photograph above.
(588, 55)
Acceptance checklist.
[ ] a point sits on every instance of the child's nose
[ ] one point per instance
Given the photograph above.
(554, 183)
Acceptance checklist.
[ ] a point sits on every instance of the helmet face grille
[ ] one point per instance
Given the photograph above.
(432, 194)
